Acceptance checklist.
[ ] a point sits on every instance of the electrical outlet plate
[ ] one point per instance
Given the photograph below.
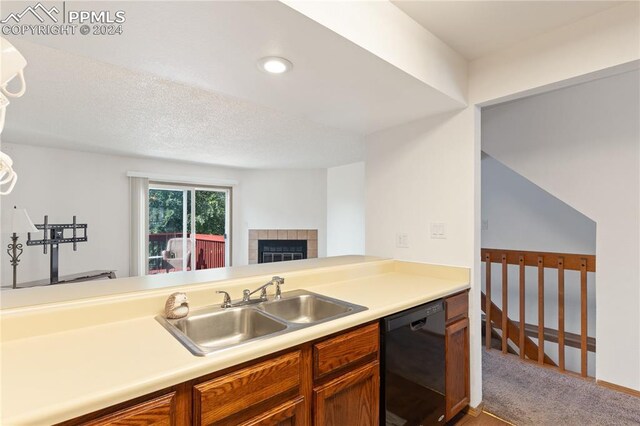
(402, 240)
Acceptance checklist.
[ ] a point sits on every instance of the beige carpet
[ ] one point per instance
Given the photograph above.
(524, 394)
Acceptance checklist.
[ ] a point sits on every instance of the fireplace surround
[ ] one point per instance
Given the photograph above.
(296, 239)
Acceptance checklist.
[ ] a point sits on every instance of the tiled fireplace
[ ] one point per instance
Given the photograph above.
(277, 245)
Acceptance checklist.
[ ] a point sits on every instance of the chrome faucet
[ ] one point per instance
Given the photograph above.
(226, 302)
(278, 282)
(246, 294)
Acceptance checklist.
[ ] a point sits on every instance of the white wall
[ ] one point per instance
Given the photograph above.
(387, 32)
(598, 42)
(424, 172)
(95, 188)
(419, 173)
(582, 144)
(345, 209)
(522, 216)
(285, 199)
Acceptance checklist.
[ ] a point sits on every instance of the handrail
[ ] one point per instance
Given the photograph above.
(561, 261)
(572, 261)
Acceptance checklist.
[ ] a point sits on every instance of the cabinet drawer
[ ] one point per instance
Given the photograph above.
(227, 395)
(341, 351)
(456, 306)
(155, 412)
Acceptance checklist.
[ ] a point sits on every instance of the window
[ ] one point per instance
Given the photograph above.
(188, 228)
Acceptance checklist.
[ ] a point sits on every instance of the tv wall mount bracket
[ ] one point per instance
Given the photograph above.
(54, 235)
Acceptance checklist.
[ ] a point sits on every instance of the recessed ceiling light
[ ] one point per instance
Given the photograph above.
(274, 65)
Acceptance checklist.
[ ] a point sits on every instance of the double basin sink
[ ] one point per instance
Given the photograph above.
(213, 329)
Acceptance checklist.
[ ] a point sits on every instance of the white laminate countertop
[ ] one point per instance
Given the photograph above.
(59, 375)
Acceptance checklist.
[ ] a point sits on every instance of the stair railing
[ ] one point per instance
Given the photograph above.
(518, 332)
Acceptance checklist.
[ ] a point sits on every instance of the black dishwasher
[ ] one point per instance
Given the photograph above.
(413, 362)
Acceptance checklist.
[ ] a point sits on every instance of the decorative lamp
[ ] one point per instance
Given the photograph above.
(12, 65)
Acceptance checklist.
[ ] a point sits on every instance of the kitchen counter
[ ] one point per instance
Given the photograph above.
(97, 352)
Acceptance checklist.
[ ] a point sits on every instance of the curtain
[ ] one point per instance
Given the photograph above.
(139, 225)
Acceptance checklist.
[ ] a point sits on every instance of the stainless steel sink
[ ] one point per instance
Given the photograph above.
(213, 329)
(304, 307)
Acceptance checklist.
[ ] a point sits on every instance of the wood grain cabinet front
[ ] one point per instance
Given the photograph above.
(351, 399)
(345, 350)
(456, 307)
(291, 413)
(457, 389)
(231, 398)
(158, 411)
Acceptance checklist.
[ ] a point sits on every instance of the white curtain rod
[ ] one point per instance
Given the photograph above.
(183, 179)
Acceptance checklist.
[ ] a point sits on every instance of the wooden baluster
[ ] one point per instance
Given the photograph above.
(562, 262)
(522, 296)
(540, 310)
(561, 313)
(505, 301)
(583, 316)
(487, 309)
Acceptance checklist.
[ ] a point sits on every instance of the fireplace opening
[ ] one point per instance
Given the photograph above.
(281, 250)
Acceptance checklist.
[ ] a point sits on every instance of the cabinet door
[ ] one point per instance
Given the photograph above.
(291, 413)
(456, 367)
(155, 412)
(352, 399)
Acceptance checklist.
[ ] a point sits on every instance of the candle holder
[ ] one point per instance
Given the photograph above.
(20, 223)
(15, 251)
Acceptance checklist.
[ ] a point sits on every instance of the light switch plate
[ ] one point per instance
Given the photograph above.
(402, 240)
(438, 231)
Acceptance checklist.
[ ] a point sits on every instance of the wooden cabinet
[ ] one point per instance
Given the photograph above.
(456, 307)
(351, 399)
(347, 378)
(337, 376)
(230, 398)
(345, 350)
(154, 412)
(457, 389)
(291, 413)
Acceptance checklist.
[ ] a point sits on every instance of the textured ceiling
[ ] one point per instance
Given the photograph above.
(477, 28)
(78, 103)
(182, 82)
